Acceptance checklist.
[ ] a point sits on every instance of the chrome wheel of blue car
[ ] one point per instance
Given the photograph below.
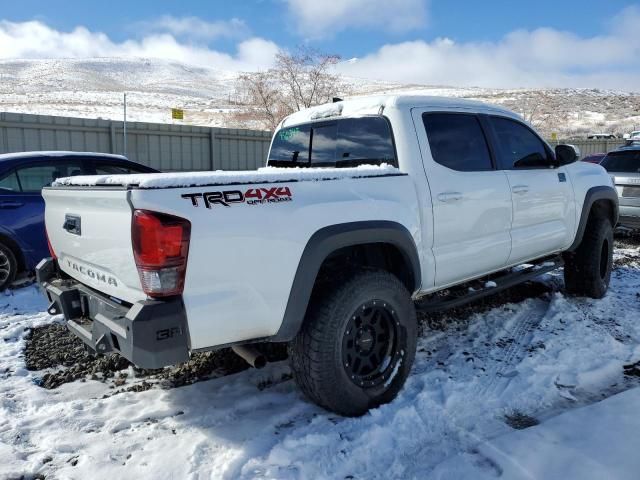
(8, 266)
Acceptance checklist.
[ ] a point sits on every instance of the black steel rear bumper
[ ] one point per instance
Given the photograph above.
(150, 333)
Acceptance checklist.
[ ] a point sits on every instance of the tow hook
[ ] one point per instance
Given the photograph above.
(103, 345)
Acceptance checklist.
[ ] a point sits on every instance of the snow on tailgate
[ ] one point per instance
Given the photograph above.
(219, 177)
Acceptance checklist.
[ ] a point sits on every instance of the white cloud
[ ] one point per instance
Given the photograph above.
(539, 58)
(196, 28)
(315, 18)
(34, 39)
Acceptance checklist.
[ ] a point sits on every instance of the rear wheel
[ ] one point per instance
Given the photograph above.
(587, 271)
(357, 344)
(8, 266)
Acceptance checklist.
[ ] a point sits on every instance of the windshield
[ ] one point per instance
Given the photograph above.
(625, 161)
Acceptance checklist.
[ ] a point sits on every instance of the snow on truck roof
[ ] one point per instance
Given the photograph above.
(375, 105)
(219, 177)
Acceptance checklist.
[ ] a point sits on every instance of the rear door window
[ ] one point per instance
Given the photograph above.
(622, 162)
(518, 147)
(457, 141)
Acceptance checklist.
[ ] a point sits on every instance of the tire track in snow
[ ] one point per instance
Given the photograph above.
(474, 417)
(516, 340)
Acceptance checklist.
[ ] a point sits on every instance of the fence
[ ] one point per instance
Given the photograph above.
(162, 146)
(587, 147)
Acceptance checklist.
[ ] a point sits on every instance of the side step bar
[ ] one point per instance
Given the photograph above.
(500, 282)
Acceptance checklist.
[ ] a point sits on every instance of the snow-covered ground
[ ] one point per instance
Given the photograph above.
(478, 378)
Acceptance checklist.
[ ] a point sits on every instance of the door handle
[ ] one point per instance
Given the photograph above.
(11, 204)
(450, 197)
(520, 189)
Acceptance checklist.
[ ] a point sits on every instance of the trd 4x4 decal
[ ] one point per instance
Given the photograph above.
(253, 196)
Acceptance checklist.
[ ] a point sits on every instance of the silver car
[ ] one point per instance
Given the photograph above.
(624, 166)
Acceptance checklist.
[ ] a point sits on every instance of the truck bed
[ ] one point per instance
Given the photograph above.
(248, 233)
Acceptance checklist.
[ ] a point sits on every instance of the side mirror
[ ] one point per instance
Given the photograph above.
(566, 154)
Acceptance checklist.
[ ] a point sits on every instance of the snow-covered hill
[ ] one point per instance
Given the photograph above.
(93, 88)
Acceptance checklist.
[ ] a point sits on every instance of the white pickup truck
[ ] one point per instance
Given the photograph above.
(365, 205)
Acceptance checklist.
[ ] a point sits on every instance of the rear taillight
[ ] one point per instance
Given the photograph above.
(160, 248)
(51, 252)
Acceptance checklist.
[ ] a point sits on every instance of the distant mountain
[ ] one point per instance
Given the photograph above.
(93, 88)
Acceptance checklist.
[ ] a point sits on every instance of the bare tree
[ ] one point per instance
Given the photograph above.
(263, 99)
(298, 80)
(306, 77)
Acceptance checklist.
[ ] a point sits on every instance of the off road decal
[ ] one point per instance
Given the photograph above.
(167, 333)
(253, 196)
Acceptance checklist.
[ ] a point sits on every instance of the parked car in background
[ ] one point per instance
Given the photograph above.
(600, 136)
(23, 241)
(594, 157)
(624, 166)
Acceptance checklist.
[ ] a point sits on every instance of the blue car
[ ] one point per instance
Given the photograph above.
(23, 242)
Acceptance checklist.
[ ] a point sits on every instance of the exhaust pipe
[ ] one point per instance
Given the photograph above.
(252, 356)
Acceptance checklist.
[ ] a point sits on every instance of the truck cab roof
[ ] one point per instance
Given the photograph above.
(376, 104)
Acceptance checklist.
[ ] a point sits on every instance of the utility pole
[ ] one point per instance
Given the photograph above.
(124, 125)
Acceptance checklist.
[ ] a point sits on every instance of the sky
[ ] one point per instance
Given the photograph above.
(499, 43)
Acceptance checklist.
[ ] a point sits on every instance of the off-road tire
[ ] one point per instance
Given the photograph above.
(316, 353)
(587, 270)
(8, 266)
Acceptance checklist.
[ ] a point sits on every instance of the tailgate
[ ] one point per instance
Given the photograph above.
(90, 232)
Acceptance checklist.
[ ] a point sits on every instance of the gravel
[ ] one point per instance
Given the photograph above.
(62, 358)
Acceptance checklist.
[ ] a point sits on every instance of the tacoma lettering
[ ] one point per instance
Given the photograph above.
(93, 274)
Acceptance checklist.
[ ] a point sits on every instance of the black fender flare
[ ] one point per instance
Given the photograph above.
(601, 192)
(326, 241)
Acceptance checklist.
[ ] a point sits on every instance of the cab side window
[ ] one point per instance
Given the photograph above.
(518, 147)
(457, 141)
